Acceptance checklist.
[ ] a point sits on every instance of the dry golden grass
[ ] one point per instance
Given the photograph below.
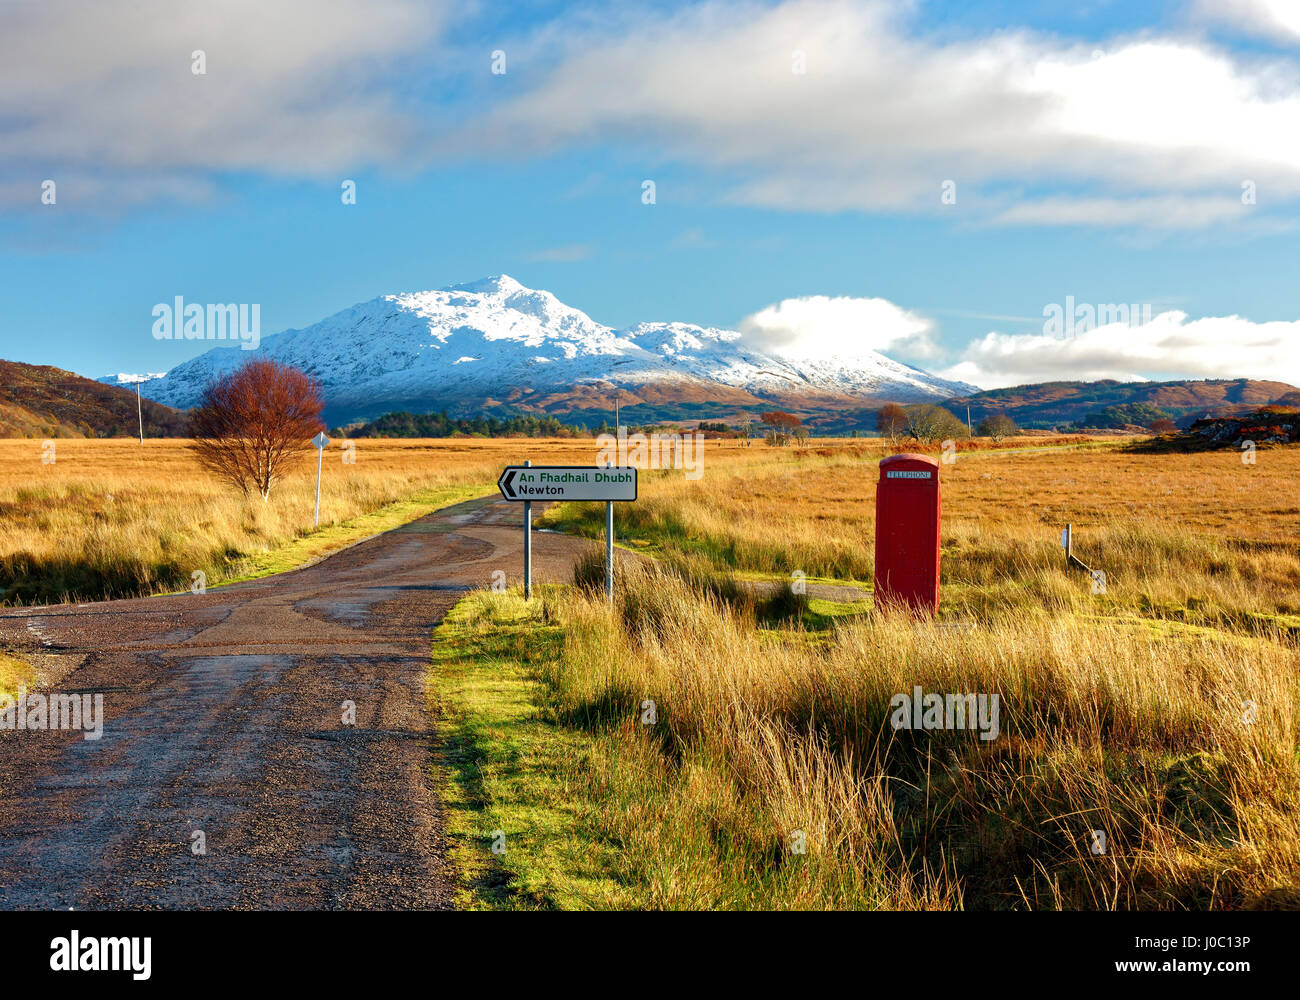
(1124, 712)
(768, 735)
(1164, 713)
(115, 518)
(1200, 538)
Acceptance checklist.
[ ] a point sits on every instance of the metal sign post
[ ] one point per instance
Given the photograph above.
(320, 441)
(524, 483)
(528, 543)
(609, 551)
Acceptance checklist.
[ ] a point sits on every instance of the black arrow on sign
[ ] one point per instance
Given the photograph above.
(503, 484)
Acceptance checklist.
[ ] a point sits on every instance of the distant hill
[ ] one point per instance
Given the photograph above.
(40, 401)
(1054, 404)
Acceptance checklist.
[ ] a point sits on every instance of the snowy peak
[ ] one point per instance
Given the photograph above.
(495, 343)
(500, 308)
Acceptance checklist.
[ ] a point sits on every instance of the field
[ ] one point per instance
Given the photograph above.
(716, 739)
(117, 518)
(1146, 755)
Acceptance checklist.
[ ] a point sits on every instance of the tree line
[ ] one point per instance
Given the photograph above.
(439, 425)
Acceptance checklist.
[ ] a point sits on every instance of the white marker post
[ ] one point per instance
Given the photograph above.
(320, 441)
(523, 483)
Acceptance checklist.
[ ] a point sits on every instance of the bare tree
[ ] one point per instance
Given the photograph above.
(252, 425)
(891, 421)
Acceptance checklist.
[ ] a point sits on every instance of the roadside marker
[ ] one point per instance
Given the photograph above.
(1072, 561)
(523, 483)
(320, 441)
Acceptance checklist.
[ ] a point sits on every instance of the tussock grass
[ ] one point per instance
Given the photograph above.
(759, 742)
(1162, 715)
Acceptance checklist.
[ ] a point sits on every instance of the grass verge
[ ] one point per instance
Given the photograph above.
(512, 777)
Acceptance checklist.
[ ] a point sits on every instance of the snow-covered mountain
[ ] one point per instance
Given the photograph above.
(495, 344)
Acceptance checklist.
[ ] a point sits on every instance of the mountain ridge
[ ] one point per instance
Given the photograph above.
(1046, 404)
(495, 344)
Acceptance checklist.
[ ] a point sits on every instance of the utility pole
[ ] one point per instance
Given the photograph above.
(139, 409)
(969, 429)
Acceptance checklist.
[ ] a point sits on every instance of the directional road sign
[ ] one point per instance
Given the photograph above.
(567, 482)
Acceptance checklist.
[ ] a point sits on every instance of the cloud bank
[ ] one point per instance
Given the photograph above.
(833, 105)
(1171, 346)
(103, 97)
(807, 105)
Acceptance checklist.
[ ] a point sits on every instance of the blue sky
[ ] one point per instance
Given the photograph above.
(1098, 151)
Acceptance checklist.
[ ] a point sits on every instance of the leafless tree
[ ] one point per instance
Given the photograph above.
(891, 421)
(252, 425)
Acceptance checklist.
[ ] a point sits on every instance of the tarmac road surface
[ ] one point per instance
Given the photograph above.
(223, 713)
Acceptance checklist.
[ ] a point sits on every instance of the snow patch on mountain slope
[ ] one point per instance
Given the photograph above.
(486, 338)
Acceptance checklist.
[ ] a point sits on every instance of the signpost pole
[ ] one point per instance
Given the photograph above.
(320, 459)
(609, 551)
(528, 545)
(605, 484)
(320, 441)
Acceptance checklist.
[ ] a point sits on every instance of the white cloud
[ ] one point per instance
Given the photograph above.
(1155, 131)
(1278, 19)
(1170, 346)
(295, 88)
(885, 114)
(1156, 212)
(818, 327)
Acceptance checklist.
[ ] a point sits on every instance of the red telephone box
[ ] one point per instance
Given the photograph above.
(907, 532)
